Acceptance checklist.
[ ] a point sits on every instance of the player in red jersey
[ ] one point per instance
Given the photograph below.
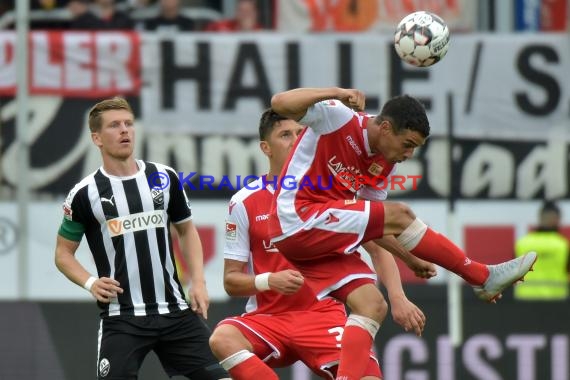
(284, 322)
(311, 225)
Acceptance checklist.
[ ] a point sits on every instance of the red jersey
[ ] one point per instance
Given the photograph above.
(331, 161)
(247, 241)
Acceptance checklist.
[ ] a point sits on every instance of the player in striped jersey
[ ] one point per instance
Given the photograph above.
(284, 321)
(125, 209)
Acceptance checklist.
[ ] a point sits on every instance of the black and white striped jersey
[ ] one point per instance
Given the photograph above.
(126, 222)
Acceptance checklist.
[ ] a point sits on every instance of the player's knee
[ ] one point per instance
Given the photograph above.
(220, 339)
(378, 308)
(401, 215)
(369, 302)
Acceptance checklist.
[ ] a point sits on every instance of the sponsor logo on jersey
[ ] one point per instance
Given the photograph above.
(346, 174)
(353, 144)
(231, 231)
(136, 222)
(262, 217)
(349, 202)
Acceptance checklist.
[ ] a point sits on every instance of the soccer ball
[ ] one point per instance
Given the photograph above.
(421, 38)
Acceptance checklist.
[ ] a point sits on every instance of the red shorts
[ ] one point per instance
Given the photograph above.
(324, 250)
(311, 336)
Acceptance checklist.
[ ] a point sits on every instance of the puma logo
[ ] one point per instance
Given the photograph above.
(110, 200)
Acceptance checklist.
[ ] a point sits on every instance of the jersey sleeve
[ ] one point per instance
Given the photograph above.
(327, 116)
(179, 209)
(73, 224)
(236, 246)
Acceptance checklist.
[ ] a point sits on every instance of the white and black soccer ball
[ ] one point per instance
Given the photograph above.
(421, 38)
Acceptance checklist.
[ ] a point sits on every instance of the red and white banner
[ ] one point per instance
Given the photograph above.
(74, 64)
(368, 15)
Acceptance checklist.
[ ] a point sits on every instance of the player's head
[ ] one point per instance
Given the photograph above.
(549, 217)
(277, 135)
(405, 113)
(403, 126)
(111, 122)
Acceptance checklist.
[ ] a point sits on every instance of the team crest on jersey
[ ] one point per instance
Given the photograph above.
(375, 169)
(157, 196)
(104, 367)
(231, 231)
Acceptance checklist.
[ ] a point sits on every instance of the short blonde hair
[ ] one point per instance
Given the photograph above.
(95, 114)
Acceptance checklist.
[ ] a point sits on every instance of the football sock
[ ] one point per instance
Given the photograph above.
(434, 247)
(356, 343)
(244, 365)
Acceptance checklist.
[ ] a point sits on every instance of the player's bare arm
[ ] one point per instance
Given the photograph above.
(404, 312)
(421, 268)
(192, 250)
(237, 283)
(103, 289)
(294, 103)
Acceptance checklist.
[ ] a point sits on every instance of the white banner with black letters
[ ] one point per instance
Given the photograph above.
(502, 86)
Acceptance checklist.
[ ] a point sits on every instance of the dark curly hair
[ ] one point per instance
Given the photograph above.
(405, 112)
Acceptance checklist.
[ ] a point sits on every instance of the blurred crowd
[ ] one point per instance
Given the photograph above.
(155, 15)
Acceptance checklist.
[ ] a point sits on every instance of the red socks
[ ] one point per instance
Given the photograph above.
(250, 368)
(355, 353)
(438, 249)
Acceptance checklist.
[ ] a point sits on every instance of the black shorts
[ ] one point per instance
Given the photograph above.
(180, 340)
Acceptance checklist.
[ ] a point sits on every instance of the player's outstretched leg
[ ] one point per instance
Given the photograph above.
(503, 275)
(488, 280)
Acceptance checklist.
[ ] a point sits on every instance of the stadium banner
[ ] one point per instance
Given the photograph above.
(506, 95)
(215, 166)
(508, 341)
(509, 86)
(297, 16)
(501, 86)
(74, 64)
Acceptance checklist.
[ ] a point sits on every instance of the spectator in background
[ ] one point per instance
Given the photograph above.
(551, 275)
(246, 19)
(111, 18)
(81, 16)
(170, 18)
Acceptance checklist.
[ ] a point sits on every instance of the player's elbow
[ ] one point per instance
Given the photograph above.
(59, 260)
(231, 289)
(279, 103)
